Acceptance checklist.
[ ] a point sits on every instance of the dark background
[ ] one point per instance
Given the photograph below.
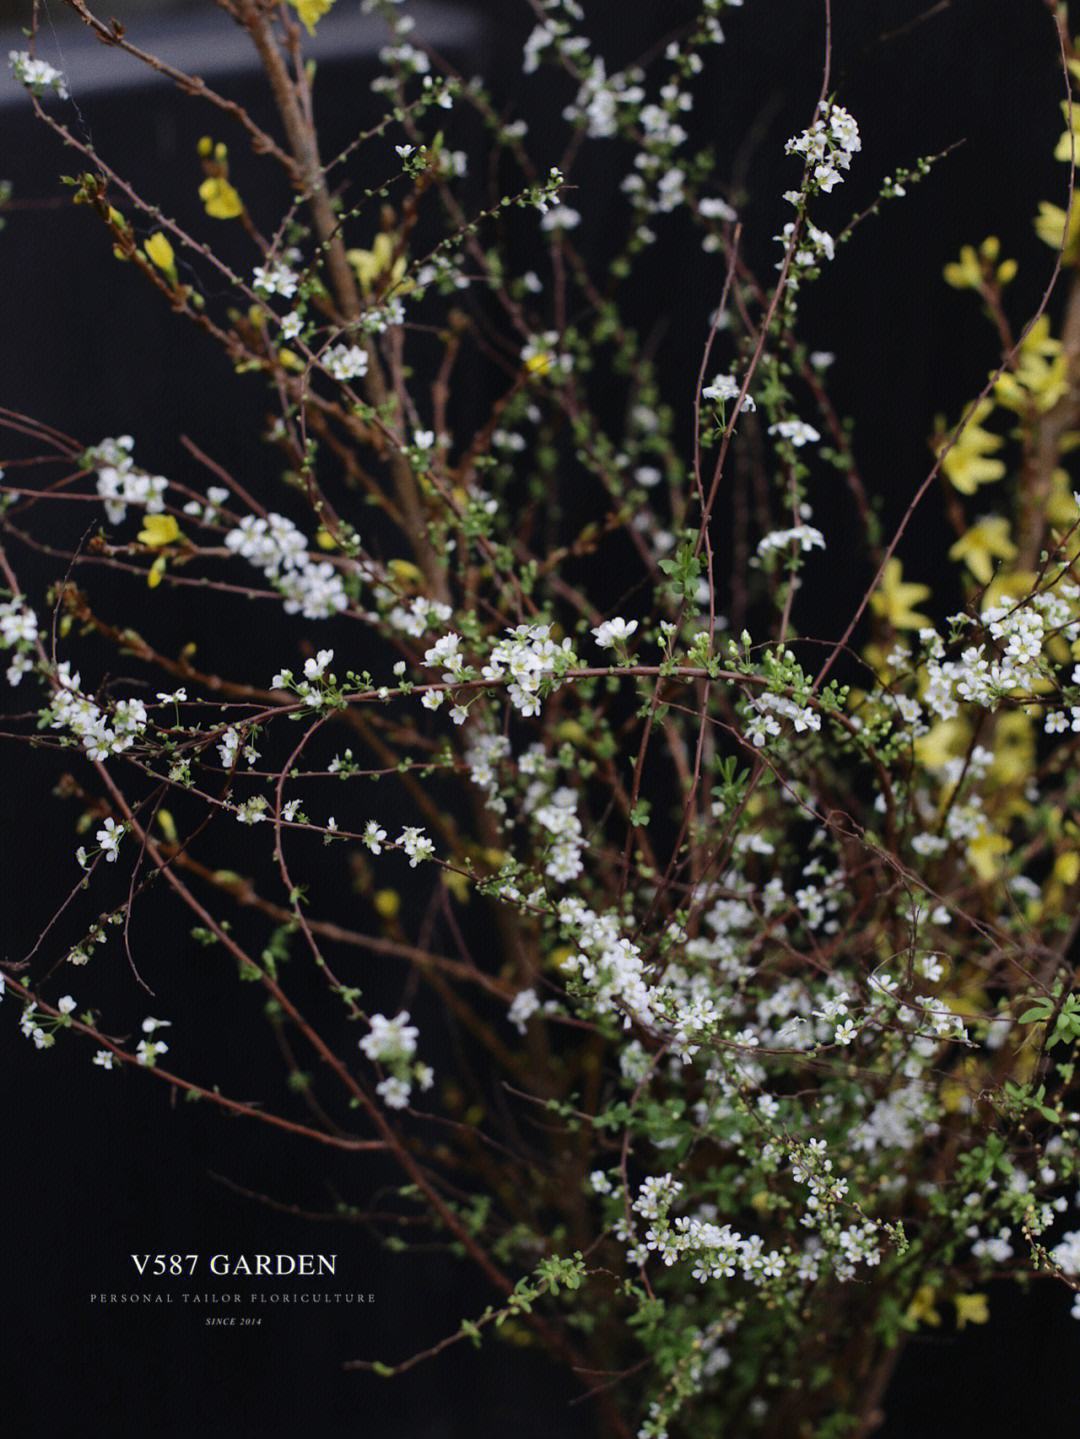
(100, 1166)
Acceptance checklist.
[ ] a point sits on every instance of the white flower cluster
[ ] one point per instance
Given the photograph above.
(346, 362)
(101, 733)
(37, 75)
(805, 536)
(529, 656)
(985, 679)
(392, 1042)
(276, 279)
(18, 632)
(798, 432)
(482, 758)
(121, 483)
(770, 710)
(416, 845)
(524, 1006)
(415, 618)
(558, 819)
(275, 546)
(827, 146)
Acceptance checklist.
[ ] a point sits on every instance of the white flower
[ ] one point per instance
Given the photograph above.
(424, 439)
(797, 431)
(147, 1051)
(562, 217)
(37, 75)
(346, 362)
(525, 1004)
(394, 1092)
(416, 845)
(109, 839)
(315, 669)
(65, 1004)
(276, 279)
(712, 208)
(614, 631)
(390, 1040)
(104, 1059)
(373, 836)
(724, 388)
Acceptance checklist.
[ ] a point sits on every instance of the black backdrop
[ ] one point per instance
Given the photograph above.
(97, 1167)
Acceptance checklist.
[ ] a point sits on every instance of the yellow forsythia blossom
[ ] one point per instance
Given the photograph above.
(160, 253)
(1050, 228)
(922, 1310)
(378, 264)
(985, 853)
(971, 1309)
(968, 465)
(387, 903)
(1041, 376)
(987, 540)
(311, 11)
(894, 597)
(974, 266)
(1069, 144)
(220, 198)
(159, 530)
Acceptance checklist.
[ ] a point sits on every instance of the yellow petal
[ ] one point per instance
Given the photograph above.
(311, 11)
(160, 253)
(971, 1309)
(387, 903)
(159, 530)
(220, 198)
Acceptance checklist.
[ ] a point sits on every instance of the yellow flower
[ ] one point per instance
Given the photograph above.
(1041, 376)
(160, 253)
(1069, 144)
(156, 572)
(974, 267)
(540, 364)
(985, 853)
(965, 273)
(457, 884)
(377, 267)
(1050, 228)
(894, 598)
(325, 540)
(311, 11)
(405, 572)
(289, 359)
(967, 465)
(159, 530)
(1061, 509)
(971, 1309)
(1014, 748)
(1008, 585)
(987, 540)
(387, 903)
(942, 742)
(220, 198)
(921, 1310)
